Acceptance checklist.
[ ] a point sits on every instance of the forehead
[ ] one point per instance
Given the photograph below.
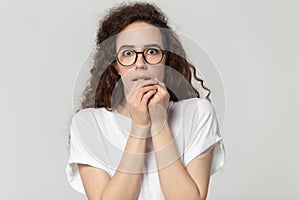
(139, 35)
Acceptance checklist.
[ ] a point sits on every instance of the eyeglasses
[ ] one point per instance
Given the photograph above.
(128, 57)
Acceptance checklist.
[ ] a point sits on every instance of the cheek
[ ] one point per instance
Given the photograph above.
(120, 69)
(160, 72)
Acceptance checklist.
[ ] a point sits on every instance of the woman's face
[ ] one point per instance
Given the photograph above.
(140, 37)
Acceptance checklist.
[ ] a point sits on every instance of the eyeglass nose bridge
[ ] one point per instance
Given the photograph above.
(136, 56)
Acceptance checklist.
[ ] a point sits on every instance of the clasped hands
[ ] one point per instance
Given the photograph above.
(148, 101)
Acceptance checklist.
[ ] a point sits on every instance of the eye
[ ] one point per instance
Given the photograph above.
(127, 53)
(152, 51)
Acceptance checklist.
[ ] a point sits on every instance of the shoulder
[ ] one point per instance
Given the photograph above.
(90, 118)
(90, 113)
(197, 105)
(83, 113)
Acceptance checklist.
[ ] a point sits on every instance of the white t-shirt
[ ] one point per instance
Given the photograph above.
(98, 138)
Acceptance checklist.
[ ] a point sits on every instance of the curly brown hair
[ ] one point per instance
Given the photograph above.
(104, 77)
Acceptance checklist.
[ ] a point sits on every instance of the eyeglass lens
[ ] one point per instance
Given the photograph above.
(151, 55)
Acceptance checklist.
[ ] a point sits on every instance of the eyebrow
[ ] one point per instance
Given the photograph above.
(152, 45)
(133, 46)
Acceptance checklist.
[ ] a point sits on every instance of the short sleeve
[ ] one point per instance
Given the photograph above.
(82, 123)
(205, 134)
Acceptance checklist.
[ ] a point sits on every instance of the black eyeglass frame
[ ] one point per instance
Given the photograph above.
(136, 56)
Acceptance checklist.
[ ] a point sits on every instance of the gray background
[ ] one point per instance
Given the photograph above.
(253, 43)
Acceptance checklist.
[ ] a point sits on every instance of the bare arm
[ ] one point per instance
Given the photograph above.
(125, 183)
(178, 182)
(98, 184)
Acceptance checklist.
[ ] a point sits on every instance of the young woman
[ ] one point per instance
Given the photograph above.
(142, 132)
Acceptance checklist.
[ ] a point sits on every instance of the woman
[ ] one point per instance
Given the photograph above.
(141, 85)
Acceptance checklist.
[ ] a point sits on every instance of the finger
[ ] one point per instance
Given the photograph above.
(131, 91)
(150, 87)
(148, 95)
(161, 89)
(143, 83)
(142, 91)
(160, 83)
(136, 85)
(138, 94)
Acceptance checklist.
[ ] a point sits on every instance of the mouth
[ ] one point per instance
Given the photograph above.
(141, 78)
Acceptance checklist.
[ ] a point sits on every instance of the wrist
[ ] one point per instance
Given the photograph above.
(158, 117)
(139, 131)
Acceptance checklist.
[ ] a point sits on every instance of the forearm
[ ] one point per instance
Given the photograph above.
(125, 183)
(175, 181)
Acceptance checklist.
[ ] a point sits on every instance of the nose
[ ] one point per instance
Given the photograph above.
(140, 62)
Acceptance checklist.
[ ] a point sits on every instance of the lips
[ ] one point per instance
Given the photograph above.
(141, 78)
